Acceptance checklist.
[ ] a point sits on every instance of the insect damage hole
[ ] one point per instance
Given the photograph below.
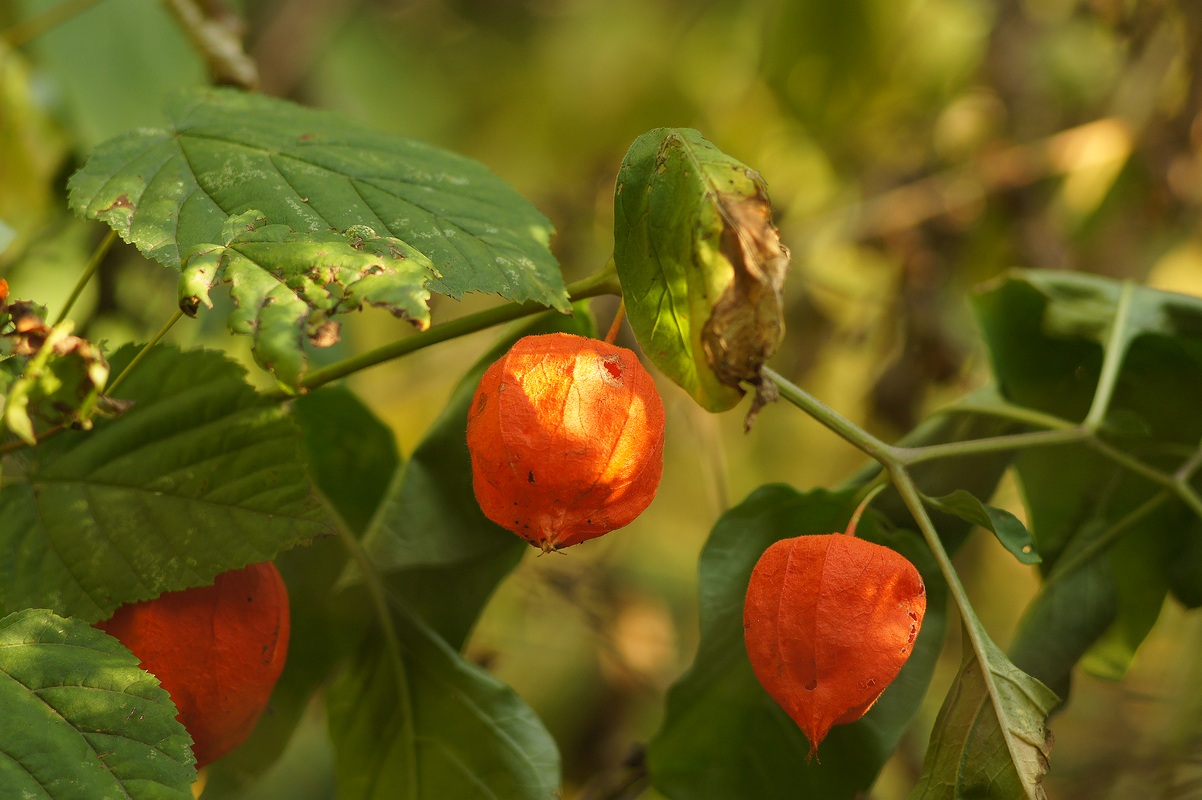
(613, 366)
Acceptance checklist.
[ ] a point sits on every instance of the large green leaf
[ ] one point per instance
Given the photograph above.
(351, 455)
(700, 262)
(81, 720)
(1143, 347)
(723, 736)
(308, 215)
(977, 752)
(198, 477)
(468, 736)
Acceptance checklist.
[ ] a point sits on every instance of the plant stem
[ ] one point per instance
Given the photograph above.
(392, 644)
(977, 636)
(1112, 359)
(611, 335)
(1016, 441)
(831, 419)
(112, 387)
(1007, 410)
(604, 282)
(875, 488)
(88, 271)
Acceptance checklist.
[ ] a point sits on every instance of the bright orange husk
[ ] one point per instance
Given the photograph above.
(566, 435)
(828, 622)
(217, 650)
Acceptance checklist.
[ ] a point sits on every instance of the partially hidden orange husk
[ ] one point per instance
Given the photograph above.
(218, 651)
(566, 435)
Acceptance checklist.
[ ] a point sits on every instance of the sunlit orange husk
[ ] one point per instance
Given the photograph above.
(566, 436)
(829, 621)
(217, 650)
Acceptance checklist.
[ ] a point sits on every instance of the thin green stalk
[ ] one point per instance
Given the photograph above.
(1112, 359)
(972, 625)
(24, 32)
(1151, 473)
(1006, 410)
(831, 419)
(604, 282)
(1016, 441)
(379, 602)
(88, 271)
(112, 387)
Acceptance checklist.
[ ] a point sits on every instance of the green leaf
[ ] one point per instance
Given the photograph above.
(469, 735)
(430, 534)
(200, 476)
(723, 736)
(81, 720)
(700, 262)
(351, 455)
(348, 216)
(1128, 360)
(1008, 528)
(975, 752)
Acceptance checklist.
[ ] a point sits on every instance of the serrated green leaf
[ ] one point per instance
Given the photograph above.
(756, 750)
(469, 735)
(81, 720)
(700, 262)
(198, 477)
(351, 216)
(1008, 528)
(975, 751)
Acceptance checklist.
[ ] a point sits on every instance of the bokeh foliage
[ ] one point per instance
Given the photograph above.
(912, 149)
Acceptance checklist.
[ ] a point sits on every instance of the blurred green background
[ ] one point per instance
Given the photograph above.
(913, 149)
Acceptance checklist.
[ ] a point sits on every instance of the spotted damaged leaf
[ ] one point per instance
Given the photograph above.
(275, 198)
(701, 265)
(47, 373)
(287, 285)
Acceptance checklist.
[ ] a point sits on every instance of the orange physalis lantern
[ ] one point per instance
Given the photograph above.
(828, 623)
(566, 435)
(217, 650)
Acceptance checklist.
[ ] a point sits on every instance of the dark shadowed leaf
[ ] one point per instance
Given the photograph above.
(1074, 493)
(81, 720)
(351, 455)
(469, 735)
